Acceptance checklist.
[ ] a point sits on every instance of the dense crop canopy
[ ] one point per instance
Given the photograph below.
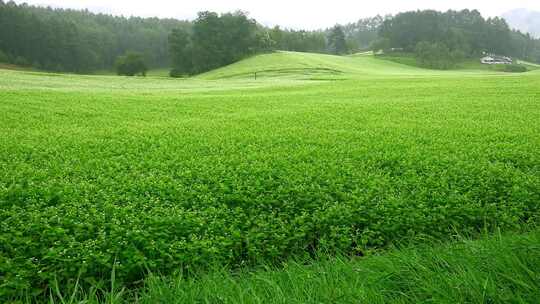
(162, 180)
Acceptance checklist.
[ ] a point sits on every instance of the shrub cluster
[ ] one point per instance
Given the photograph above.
(131, 64)
(515, 68)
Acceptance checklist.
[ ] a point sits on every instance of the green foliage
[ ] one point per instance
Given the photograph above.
(336, 41)
(217, 40)
(21, 61)
(496, 270)
(80, 41)
(381, 44)
(437, 56)
(362, 34)
(4, 58)
(463, 31)
(358, 36)
(515, 68)
(164, 175)
(181, 50)
(298, 40)
(131, 64)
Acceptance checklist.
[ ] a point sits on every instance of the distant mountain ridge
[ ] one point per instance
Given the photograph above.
(524, 20)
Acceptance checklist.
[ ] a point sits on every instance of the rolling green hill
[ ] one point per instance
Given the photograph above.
(288, 66)
(294, 65)
(309, 65)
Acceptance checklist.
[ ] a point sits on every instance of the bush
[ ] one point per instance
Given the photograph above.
(21, 61)
(131, 64)
(515, 68)
(177, 73)
(381, 44)
(436, 56)
(4, 58)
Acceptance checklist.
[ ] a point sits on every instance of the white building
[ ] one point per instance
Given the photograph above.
(493, 59)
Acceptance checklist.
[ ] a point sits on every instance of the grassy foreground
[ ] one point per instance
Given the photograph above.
(136, 175)
(501, 269)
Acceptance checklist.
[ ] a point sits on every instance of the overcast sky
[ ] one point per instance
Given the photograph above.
(308, 14)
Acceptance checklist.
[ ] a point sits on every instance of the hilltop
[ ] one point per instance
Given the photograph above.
(312, 66)
(296, 65)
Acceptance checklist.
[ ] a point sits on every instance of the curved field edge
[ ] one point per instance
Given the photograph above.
(163, 180)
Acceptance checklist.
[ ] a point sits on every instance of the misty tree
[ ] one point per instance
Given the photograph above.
(465, 33)
(336, 41)
(216, 40)
(181, 52)
(80, 41)
(131, 64)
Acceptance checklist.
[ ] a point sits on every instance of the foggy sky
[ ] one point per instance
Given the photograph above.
(297, 14)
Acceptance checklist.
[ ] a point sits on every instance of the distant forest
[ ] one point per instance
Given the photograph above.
(83, 42)
(455, 35)
(79, 41)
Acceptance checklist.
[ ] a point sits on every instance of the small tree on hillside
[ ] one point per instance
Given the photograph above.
(336, 41)
(381, 44)
(131, 64)
(3, 57)
(436, 55)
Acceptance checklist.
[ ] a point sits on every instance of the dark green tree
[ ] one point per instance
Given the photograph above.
(131, 64)
(3, 57)
(216, 40)
(80, 41)
(464, 33)
(336, 41)
(381, 44)
(299, 41)
(434, 55)
(181, 50)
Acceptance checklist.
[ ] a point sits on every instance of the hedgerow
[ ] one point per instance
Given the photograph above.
(166, 181)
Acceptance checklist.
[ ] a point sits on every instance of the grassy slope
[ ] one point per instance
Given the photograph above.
(293, 65)
(308, 65)
(347, 161)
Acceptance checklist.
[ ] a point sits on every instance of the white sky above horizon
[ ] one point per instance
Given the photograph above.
(300, 14)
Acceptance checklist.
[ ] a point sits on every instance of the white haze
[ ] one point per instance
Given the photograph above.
(305, 14)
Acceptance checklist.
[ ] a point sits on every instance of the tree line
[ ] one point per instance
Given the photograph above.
(81, 41)
(441, 39)
(217, 40)
(214, 41)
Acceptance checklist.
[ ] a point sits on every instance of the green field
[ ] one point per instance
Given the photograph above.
(318, 154)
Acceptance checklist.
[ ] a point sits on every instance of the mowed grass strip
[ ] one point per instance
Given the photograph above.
(163, 180)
